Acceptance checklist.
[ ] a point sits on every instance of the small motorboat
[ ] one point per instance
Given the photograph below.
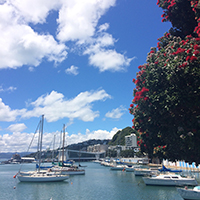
(189, 194)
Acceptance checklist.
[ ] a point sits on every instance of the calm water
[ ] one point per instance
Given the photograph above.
(99, 183)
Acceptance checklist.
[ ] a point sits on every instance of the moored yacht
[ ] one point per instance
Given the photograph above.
(170, 179)
(186, 193)
(42, 176)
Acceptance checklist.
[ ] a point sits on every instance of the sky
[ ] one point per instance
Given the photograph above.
(72, 61)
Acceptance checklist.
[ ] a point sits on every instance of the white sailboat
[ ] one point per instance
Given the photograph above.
(41, 175)
(69, 169)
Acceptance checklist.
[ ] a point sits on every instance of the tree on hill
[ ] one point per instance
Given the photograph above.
(166, 100)
(119, 137)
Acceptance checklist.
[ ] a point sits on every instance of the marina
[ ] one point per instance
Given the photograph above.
(99, 182)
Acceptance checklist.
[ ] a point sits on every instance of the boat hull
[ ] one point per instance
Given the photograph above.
(143, 172)
(120, 167)
(70, 172)
(170, 182)
(42, 178)
(189, 194)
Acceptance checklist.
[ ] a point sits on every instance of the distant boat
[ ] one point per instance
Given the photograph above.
(38, 175)
(186, 193)
(170, 179)
(130, 168)
(68, 170)
(145, 171)
(118, 167)
(165, 169)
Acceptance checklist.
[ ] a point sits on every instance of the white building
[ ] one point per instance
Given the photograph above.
(131, 141)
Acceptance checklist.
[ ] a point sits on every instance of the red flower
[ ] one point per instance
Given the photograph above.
(144, 90)
(196, 46)
(137, 81)
(140, 67)
(131, 105)
(187, 58)
(189, 36)
(183, 65)
(196, 52)
(179, 50)
(193, 58)
(167, 35)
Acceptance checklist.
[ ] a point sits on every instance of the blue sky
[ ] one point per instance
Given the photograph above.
(74, 62)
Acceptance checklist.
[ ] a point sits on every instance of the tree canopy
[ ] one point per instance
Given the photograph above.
(166, 103)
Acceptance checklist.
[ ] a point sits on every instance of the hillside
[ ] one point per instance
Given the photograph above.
(119, 137)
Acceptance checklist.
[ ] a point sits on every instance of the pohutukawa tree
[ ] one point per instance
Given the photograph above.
(166, 103)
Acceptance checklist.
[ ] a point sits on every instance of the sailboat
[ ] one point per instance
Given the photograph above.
(67, 168)
(40, 175)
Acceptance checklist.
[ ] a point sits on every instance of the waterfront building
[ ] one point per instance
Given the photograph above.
(131, 141)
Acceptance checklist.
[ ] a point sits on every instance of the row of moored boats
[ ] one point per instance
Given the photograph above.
(158, 176)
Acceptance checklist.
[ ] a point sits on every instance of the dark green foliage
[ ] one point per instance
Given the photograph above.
(119, 137)
(127, 153)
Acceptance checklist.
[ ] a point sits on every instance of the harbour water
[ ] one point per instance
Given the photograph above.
(98, 183)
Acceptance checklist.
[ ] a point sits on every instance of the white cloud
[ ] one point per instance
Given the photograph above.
(72, 70)
(22, 45)
(19, 142)
(16, 142)
(77, 22)
(103, 27)
(109, 60)
(78, 19)
(17, 127)
(8, 115)
(116, 113)
(55, 107)
(34, 12)
(97, 134)
(104, 58)
(9, 89)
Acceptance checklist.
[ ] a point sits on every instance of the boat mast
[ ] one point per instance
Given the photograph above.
(53, 148)
(63, 144)
(40, 136)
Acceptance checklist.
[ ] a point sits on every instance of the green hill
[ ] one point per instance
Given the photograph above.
(119, 137)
